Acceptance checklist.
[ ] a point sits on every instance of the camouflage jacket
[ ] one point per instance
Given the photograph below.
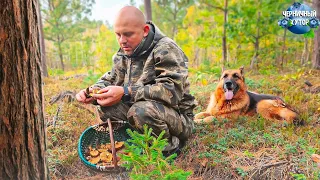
(157, 71)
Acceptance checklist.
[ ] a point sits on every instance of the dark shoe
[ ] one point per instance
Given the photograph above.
(169, 153)
(177, 150)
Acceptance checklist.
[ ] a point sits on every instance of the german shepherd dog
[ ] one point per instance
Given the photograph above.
(231, 99)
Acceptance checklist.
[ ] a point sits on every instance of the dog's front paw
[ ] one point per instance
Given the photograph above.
(206, 120)
(201, 115)
(198, 121)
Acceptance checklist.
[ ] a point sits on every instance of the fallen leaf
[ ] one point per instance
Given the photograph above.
(315, 158)
(204, 162)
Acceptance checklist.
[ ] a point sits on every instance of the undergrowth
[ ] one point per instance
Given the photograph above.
(147, 161)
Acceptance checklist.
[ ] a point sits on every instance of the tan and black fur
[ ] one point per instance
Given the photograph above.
(232, 99)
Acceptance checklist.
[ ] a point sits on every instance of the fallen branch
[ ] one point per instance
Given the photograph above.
(259, 169)
(274, 164)
(65, 94)
(56, 117)
(75, 76)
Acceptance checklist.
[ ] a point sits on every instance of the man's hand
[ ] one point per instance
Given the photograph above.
(81, 96)
(109, 96)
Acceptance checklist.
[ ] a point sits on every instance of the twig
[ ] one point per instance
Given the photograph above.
(55, 118)
(274, 164)
(267, 166)
(69, 94)
(75, 76)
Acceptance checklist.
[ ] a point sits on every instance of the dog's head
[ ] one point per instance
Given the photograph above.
(231, 82)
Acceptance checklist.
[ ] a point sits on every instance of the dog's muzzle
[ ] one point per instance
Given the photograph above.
(230, 88)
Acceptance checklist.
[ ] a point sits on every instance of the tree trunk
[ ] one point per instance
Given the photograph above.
(238, 51)
(61, 55)
(22, 133)
(256, 54)
(256, 45)
(308, 51)
(174, 25)
(316, 47)
(147, 7)
(305, 51)
(283, 47)
(42, 47)
(276, 59)
(196, 57)
(224, 37)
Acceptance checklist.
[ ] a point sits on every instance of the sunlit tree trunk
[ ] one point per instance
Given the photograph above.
(60, 55)
(196, 57)
(256, 45)
(42, 46)
(225, 22)
(22, 133)
(316, 47)
(224, 37)
(147, 7)
(283, 47)
(305, 51)
(174, 25)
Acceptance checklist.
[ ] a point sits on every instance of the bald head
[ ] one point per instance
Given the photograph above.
(130, 15)
(130, 28)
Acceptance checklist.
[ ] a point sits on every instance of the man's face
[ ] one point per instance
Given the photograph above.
(129, 35)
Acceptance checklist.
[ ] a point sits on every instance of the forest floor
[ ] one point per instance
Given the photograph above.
(247, 148)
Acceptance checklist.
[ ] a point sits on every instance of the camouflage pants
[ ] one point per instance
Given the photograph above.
(178, 127)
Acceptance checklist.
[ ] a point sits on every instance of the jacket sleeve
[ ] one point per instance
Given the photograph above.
(109, 77)
(170, 71)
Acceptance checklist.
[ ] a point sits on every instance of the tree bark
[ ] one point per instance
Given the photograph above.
(304, 52)
(147, 7)
(196, 57)
(224, 37)
(42, 46)
(61, 55)
(174, 25)
(22, 133)
(256, 44)
(283, 47)
(316, 47)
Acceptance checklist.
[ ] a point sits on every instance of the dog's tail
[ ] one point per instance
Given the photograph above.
(276, 109)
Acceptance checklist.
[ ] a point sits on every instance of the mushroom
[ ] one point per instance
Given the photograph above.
(94, 160)
(106, 157)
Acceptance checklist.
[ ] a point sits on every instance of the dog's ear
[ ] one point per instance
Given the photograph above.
(241, 69)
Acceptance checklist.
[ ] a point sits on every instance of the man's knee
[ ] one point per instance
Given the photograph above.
(117, 112)
(157, 116)
(142, 112)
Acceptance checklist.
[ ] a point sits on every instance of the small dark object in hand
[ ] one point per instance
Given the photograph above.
(95, 90)
(88, 93)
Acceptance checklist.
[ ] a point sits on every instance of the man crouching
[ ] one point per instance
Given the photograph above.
(148, 81)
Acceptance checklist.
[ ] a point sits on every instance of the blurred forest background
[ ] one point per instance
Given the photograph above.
(211, 33)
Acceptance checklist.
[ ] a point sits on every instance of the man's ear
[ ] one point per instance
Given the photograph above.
(146, 30)
(241, 69)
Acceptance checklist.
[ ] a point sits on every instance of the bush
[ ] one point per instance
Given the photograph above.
(146, 159)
